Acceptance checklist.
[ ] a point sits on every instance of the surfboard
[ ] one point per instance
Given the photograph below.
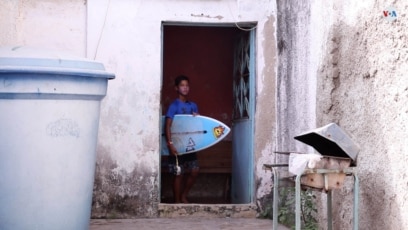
(193, 133)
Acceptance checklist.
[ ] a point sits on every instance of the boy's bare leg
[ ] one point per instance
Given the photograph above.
(177, 188)
(189, 183)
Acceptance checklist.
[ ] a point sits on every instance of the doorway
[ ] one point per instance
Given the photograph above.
(219, 63)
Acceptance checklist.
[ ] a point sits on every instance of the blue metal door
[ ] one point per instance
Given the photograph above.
(242, 184)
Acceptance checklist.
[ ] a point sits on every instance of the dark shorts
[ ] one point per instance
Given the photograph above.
(187, 163)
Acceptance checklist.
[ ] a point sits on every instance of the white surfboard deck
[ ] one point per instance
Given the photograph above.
(193, 133)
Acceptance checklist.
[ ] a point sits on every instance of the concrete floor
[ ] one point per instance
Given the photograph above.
(186, 223)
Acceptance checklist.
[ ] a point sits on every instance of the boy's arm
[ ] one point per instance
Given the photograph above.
(195, 110)
(172, 149)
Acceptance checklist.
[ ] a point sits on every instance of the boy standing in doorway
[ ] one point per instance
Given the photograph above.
(188, 163)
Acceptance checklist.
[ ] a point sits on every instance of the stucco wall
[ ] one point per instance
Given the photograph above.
(359, 60)
(362, 85)
(126, 36)
(338, 62)
(296, 78)
(49, 24)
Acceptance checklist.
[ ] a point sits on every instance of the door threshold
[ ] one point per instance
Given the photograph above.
(207, 210)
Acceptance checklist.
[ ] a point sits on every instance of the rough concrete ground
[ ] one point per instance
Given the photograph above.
(187, 223)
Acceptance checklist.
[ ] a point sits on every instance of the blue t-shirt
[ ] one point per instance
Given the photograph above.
(180, 107)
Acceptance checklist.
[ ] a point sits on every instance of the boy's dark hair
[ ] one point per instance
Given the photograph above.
(180, 78)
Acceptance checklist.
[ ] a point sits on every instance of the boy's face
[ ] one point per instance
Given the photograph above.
(183, 88)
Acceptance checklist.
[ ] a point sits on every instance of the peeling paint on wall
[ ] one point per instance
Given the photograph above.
(265, 112)
(122, 194)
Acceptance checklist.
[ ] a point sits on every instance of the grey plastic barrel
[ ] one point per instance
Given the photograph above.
(49, 117)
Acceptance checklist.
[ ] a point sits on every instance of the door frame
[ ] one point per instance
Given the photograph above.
(252, 105)
(249, 175)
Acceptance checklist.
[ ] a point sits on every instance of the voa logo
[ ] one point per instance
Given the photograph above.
(390, 13)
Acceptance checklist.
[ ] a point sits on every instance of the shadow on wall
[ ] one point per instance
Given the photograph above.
(352, 92)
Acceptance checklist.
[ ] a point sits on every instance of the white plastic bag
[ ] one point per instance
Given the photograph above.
(313, 160)
(298, 162)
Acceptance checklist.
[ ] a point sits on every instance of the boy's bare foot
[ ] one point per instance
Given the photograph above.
(184, 200)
